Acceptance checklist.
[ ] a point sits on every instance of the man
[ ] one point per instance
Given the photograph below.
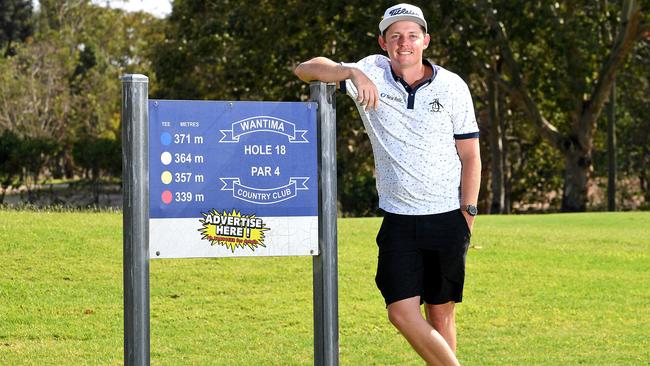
(424, 135)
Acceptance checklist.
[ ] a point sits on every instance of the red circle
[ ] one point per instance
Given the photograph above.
(167, 197)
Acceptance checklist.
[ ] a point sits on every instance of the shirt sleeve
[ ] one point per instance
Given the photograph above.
(464, 119)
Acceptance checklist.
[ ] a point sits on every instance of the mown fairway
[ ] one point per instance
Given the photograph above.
(566, 289)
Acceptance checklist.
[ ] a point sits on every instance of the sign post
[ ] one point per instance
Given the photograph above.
(228, 179)
(135, 188)
(326, 327)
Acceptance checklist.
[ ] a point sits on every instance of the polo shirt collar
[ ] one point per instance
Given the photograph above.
(410, 103)
(426, 81)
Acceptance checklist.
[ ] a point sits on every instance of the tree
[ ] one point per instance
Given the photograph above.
(633, 122)
(62, 86)
(15, 23)
(10, 161)
(581, 88)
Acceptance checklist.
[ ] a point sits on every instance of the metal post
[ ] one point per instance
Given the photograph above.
(326, 319)
(135, 196)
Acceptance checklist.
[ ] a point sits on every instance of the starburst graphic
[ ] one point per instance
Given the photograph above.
(233, 230)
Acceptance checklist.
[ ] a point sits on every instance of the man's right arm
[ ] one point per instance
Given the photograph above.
(328, 71)
(323, 69)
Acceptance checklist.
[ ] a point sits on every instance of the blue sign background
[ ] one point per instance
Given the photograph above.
(209, 140)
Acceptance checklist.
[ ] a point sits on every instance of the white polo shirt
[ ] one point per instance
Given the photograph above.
(413, 135)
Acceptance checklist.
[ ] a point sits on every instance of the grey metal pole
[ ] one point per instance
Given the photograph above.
(326, 319)
(135, 196)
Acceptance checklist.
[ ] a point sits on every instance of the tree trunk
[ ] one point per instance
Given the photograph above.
(576, 180)
(611, 150)
(643, 180)
(644, 176)
(496, 152)
(505, 146)
(8, 49)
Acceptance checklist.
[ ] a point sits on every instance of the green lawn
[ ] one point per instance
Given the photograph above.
(565, 289)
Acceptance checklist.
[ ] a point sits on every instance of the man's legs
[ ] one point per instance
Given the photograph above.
(442, 318)
(427, 342)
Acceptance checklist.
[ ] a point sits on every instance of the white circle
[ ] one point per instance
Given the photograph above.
(166, 158)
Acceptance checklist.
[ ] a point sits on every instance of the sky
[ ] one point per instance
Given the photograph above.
(159, 8)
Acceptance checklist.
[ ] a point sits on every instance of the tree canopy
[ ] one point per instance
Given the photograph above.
(540, 74)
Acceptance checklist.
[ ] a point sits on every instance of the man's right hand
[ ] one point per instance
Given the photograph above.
(367, 93)
(324, 69)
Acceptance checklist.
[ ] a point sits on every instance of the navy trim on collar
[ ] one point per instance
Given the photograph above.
(411, 91)
(434, 68)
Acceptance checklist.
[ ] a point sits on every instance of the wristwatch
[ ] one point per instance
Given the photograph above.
(471, 210)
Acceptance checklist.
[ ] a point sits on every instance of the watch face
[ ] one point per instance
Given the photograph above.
(472, 210)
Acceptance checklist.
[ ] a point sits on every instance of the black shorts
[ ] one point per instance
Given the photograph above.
(422, 256)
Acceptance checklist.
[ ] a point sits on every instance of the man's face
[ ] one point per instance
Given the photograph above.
(404, 41)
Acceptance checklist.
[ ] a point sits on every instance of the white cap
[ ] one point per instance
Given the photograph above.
(402, 12)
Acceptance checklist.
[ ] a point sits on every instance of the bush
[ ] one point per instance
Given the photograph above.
(98, 156)
(10, 162)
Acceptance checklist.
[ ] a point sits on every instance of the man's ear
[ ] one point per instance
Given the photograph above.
(427, 39)
(382, 42)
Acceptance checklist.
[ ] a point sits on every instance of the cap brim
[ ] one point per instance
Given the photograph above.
(387, 22)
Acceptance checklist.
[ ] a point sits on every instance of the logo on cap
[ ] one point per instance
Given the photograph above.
(400, 11)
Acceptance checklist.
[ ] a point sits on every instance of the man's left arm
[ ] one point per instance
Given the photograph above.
(470, 179)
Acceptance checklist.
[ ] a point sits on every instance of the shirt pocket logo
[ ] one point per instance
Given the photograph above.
(436, 106)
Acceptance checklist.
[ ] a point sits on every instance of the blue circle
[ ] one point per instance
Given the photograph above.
(166, 138)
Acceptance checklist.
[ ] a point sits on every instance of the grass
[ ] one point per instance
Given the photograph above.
(563, 289)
